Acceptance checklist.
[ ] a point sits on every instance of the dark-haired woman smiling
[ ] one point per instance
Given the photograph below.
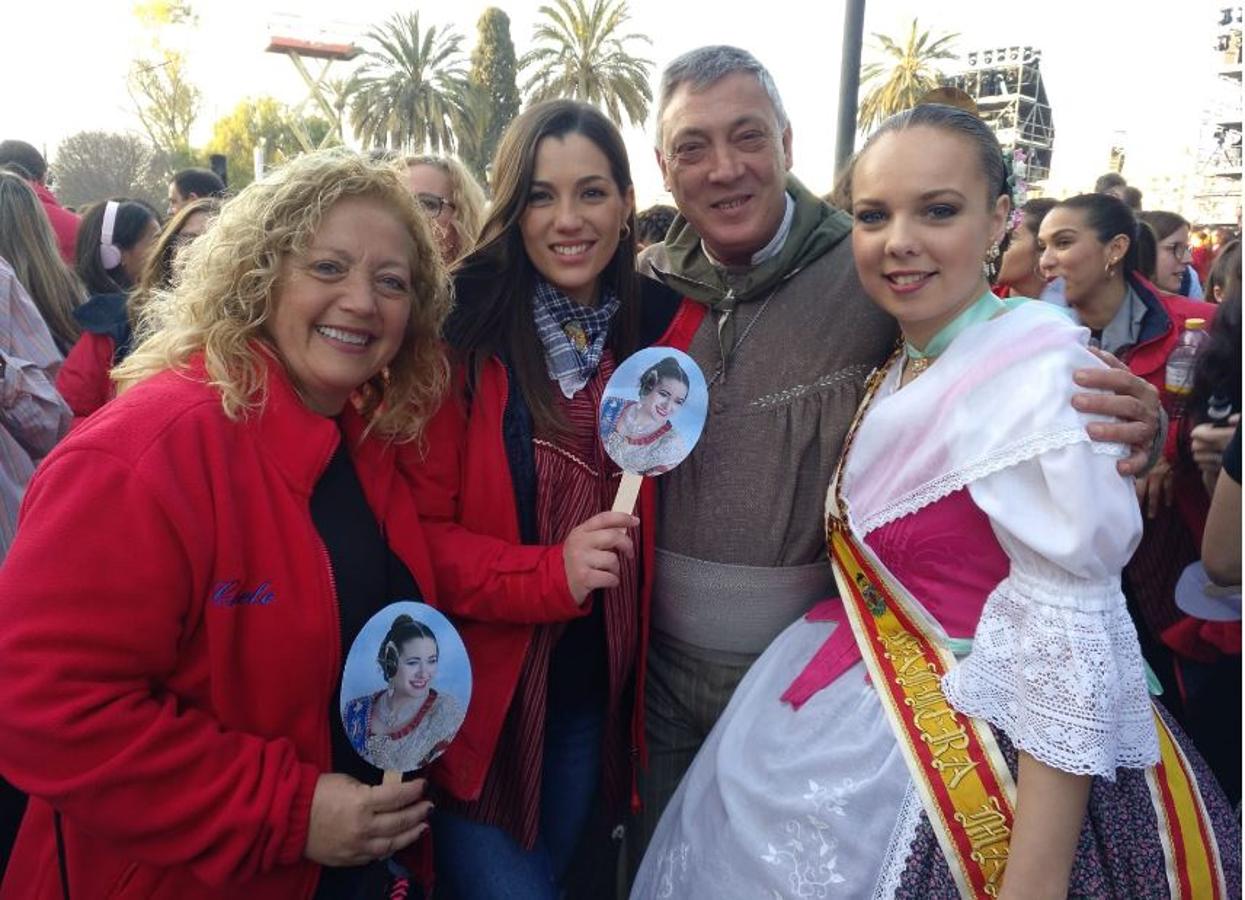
(547, 590)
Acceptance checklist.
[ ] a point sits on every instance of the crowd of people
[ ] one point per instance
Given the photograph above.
(907, 621)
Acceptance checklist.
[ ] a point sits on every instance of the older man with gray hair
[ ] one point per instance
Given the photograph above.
(788, 342)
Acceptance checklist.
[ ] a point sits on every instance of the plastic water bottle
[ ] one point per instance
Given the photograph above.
(1180, 363)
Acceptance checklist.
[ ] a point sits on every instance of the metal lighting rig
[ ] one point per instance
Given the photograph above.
(293, 37)
(1219, 149)
(1006, 84)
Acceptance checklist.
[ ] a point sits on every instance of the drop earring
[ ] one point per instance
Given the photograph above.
(987, 265)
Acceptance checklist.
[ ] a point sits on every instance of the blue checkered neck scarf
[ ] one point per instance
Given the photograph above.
(573, 335)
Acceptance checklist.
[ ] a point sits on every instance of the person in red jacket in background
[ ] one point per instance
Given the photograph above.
(34, 168)
(1097, 245)
(113, 243)
(192, 564)
(1210, 651)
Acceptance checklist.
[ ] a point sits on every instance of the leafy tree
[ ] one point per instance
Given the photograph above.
(166, 103)
(255, 120)
(164, 99)
(155, 14)
(493, 100)
(580, 54)
(907, 74)
(94, 165)
(410, 88)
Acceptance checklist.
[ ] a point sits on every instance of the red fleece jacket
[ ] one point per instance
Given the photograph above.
(169, 644)
(83, 380)
(64, 223)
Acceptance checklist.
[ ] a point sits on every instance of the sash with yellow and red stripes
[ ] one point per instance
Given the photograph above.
(959, 772)
(1194, 869)
(957, 767)
(965, 786)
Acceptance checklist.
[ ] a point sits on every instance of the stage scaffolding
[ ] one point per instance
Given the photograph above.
(1006, 84)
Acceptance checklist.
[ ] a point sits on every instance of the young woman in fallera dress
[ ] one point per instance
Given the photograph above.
(972, 718)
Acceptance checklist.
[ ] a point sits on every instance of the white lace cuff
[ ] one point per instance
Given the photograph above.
(1056, 666)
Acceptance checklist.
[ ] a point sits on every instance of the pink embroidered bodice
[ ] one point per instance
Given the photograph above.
(945, 554)
(948, 558)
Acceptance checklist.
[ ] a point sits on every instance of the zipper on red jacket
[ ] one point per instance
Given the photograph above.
(333, 602)
(337, 630)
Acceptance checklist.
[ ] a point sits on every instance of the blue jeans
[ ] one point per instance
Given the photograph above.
(482, 862)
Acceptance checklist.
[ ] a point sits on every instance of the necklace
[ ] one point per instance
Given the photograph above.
(389, 713)
(918, 364)
(631, 426)
(410, 726)
(721, 370)
(985, 307)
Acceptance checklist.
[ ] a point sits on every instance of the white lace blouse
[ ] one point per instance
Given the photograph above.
(1055, 661)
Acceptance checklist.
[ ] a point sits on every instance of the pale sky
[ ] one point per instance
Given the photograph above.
(1145, 69)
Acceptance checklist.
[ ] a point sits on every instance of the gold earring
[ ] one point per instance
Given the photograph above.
(1110, 270)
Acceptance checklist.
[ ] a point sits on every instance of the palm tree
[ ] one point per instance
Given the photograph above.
(907, 75)
(339, 92)
(581, 55)
(410, 87)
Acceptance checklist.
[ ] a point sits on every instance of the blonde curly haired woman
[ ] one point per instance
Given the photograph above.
(190, 566)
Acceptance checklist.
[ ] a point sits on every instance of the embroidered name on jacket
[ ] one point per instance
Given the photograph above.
(230, 593)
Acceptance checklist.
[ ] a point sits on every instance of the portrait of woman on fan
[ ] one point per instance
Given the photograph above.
(409, 723)
(639, 434)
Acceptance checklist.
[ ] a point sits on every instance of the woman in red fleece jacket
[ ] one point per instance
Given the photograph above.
(192, 561)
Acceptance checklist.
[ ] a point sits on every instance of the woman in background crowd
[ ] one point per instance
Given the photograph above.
(186, 226)
(160, 271)
(1226, 266)
(1173, 254)
(239, 503)
(113, 241)
(450, 197)
(1019, 273)
(1095, 243)
(29, 244)
(1208, 654)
